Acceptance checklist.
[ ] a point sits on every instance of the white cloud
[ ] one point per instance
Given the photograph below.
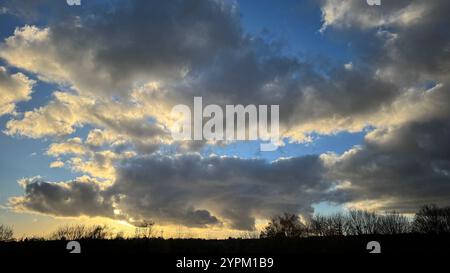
(348, 66)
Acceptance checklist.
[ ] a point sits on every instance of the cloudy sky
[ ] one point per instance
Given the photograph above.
(86, 93)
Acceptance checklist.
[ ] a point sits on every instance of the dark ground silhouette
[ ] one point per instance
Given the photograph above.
(390, 244)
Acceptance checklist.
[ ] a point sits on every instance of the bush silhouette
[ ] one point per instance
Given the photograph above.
(79, 232)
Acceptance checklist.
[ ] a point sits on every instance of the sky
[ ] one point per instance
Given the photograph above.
(86, 94)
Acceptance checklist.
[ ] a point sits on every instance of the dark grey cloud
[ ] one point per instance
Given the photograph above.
(106, 50)
(189, 190)
(237, 190)
(402, 168)
(405, 165)
(409, 38)
(76, 198)
(397, 168)
(199, 48)
(423, 47)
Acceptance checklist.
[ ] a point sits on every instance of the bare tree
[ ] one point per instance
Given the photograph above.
(284, 226)
(432, 219)
(361, 222)
(249, 234)
(332, 225)
(394, 223)
(144, 230)
(6, 233)
(317, 225)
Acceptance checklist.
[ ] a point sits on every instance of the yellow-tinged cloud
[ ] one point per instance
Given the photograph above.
(57, 164)
(13, 88)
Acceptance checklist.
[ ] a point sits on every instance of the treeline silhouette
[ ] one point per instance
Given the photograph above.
(427, 231)
(81, 232)
(430, 219)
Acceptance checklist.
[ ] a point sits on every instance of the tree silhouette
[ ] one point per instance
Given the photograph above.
(144, 230)
(6, 233)
(332, 225)
(284, 226)
(394, 223)
(361, 222)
